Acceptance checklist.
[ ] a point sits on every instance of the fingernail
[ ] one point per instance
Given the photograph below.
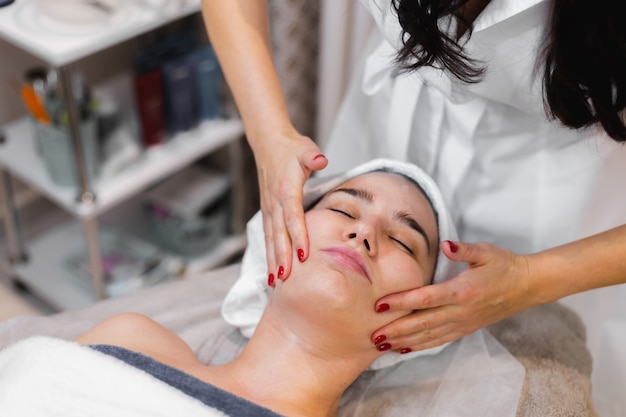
(382, 307)
(281, 271)
(300, 255)
(405, 350)
(318, 156)
(270, 280)
(453, 246)
(383, 347)
(380, 339)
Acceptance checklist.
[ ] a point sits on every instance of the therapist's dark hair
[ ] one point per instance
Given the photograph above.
(425, 44)
(583, 59)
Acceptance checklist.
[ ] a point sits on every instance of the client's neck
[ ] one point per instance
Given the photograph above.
(293, 376)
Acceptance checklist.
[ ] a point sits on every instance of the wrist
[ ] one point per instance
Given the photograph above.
(543, 282)
(264, 135)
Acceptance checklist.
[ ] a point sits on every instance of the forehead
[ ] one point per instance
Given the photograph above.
(387, 183)
(394, 190)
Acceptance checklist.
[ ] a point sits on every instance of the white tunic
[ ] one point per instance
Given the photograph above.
(510, 175)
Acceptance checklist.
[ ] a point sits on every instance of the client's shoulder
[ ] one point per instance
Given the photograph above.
(141, 334)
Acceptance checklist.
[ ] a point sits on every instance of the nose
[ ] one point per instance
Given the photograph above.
(367, 239)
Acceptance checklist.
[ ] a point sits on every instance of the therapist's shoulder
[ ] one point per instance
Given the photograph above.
(139, 333)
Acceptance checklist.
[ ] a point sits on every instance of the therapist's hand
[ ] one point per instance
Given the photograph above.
(283, 168)
(494, 286)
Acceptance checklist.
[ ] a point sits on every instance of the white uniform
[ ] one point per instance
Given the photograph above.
(510, 175)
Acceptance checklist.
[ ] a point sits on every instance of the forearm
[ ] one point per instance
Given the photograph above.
(239, 32)
(593, 262)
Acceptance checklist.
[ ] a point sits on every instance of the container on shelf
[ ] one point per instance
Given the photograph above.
(209, 81)
(54, 144)
(191, 236)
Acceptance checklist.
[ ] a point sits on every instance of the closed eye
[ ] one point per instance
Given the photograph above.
(402, 244)
(342, 212)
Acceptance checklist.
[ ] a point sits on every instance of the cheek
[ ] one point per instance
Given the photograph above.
(322, 225)
(402, 273)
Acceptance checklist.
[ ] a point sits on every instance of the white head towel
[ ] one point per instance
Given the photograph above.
(246, 300)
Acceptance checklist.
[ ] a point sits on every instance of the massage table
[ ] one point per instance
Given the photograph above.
(548, 341)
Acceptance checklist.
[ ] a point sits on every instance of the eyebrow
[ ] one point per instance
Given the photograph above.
(356, 192)
(407, 219)
(402, 216)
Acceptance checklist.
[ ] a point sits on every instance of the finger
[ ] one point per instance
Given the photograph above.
(272, 226)
(474, 254)
(293, 216)
(434, 330)
(418, 298)
(435, 338)
(296, 227)
(281, 244)
(410, 324)
(314, 161)
(311, 160)
(269, 247)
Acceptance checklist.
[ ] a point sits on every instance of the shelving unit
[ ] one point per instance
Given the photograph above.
(19, 156)
(25, 26)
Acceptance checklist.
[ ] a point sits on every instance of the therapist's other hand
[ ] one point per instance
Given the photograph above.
(493, 287)
(282, 171)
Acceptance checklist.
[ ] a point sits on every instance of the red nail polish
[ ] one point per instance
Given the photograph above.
(281, 271)
(382, 307)
(383, 347)
(318, 156)
(453, 246)
(405, 350)
(300, 255)
(270, 280)
(380, 339)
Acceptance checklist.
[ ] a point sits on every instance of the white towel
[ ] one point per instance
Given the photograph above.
(246, 300)
(43, 376)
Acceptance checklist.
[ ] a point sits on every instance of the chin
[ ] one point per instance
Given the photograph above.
(330, 296)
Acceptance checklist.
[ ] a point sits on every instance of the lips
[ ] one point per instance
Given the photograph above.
(350, 258)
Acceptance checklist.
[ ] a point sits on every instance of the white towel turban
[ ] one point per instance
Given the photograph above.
(246, 300)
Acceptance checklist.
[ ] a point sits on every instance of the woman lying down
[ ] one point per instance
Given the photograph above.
(375, 231)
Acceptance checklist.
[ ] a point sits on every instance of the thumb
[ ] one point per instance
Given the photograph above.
(474, 254)
(313, 160)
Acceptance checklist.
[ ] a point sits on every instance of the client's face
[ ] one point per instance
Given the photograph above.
(373, 235)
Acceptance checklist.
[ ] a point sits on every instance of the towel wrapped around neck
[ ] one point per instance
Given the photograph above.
(246, 300)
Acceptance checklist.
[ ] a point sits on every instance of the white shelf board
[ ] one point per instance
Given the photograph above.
(47, 277)
(20, 157)
(44, 273)
(130, 216)
(28, 27)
